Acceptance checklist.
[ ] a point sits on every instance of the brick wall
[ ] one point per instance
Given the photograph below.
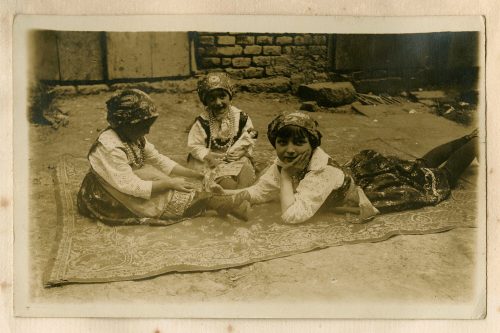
(251, 55)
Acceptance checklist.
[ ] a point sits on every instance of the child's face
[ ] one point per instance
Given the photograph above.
(134, 132)
(218, 101)
(288, 149)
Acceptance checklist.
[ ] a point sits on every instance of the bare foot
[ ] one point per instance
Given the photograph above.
(367, 212)
(242, 211)
(227, 204)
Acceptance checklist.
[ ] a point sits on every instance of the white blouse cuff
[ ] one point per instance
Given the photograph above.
(147, 189)
(290, 216)
(202, 153)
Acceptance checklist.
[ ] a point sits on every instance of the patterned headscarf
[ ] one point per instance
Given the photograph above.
(130, 107)
(296, 118)
(213, 81)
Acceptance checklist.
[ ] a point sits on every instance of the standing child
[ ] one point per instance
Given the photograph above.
(306, 179)
(222, 138)
(130, 182)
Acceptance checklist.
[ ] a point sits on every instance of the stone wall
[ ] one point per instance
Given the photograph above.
(276, 62)
(252, 55)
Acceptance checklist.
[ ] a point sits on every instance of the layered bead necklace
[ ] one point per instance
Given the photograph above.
(214, 128)
(135, 153)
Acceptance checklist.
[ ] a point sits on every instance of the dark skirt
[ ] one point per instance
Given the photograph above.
(97, 199)
(393, 184)
(95, 202)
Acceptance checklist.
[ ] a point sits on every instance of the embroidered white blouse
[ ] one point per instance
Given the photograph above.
(311, 192)
(109, 160)
(197, 136)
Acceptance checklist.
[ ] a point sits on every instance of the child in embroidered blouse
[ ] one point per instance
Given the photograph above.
(218, 140)
(130, 182)
(306, 179)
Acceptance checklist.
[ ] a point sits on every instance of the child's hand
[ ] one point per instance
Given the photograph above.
(179, 184)
(217, 189)
(298, 164)
(213, 159)
(198, 175)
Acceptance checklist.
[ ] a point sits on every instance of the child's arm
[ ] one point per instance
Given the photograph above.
(216, 188)
(169, 167)
(197, 143)
(179, 170)
(213, 159)
(264, 190)
(111, 164)
(310, 194)
(155, 158)
(168, 183)
(287, 197)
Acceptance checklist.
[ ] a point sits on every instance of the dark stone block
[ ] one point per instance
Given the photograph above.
(328, 93)
(310, 106)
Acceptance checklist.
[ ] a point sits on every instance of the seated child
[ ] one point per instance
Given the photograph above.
(130, 182)
(306, 179)
(222, 138)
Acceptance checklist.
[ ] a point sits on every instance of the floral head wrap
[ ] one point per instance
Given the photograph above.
(213, 81)
(296, 118)
(130, 106)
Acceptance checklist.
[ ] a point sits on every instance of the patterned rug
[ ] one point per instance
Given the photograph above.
(88, 251)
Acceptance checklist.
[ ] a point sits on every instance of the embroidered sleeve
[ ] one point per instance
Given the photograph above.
(111, 164)
(153, 157)
(197, 141)
(312, 192)
(267, 187)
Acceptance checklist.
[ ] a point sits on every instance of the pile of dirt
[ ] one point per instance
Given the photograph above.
(44, 108)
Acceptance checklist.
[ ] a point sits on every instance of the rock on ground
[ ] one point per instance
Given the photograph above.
(310, 106)
(328, 93)
(62, 90)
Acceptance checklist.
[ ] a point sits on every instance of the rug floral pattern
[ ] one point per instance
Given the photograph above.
(89, 251)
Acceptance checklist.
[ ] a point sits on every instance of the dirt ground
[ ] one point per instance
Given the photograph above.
(435, 267)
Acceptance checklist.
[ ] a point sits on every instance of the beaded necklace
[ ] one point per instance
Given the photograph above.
(135, 153)
(213, 129)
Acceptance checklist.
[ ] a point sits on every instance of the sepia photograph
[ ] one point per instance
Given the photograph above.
(250, 167)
